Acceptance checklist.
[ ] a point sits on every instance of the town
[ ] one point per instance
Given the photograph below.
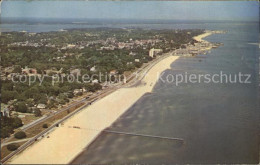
(77, 53)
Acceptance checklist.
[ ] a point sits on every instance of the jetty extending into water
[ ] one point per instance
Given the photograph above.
(143, 135)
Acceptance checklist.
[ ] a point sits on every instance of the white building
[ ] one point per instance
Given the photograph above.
(95, 81)
(93, 69)
(5, 112)
(41, 106)
(76, 91)
(137, 60)
(153, 52)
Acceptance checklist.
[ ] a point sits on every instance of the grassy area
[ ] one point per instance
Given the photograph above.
(38, 128)
(29, 118)
(5, 151)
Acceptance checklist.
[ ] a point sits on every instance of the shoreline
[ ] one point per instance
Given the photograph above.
(200, 37)
(66, 142)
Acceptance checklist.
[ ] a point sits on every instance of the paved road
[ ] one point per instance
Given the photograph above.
(141, 71)
(45, 118)
(35, 121)
(17, 141)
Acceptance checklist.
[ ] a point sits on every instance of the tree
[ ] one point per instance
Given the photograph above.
(6, 131)
(8, 125)
(17, 122)
(12, 147)
(70, 95)
(43, 100)
(17, 69)
(37, 112)
(79, 94)
(45, 125)
(51, 104)
(7, 96)
(138, 64)
(20, 135)
(97, 86)
(21, 107)
(7, 85)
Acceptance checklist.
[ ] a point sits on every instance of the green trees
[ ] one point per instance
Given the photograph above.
(70, 95)
(62, 98)
(43, 99)
(45, 58)
(45, 125)
(6, 131)
(138, 64)
(20, 135)
(8, 124)
(17, 69)
(17, 122)
(93, 87)
(12, 147)
(97, 86)
(21, 107)
(37, 113)
(7, 96)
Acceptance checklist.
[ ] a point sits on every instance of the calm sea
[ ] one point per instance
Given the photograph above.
(218, 122)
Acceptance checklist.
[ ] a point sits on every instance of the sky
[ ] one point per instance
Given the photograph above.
(169, 10)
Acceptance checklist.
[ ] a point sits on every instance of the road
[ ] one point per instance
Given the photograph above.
(17, 141)
(130, 82)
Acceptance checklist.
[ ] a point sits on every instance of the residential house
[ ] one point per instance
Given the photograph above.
(29, 71)
(113, 72)
(76, 91)
(153, 52)
(93, 69)
(41, 106)
(137, 60)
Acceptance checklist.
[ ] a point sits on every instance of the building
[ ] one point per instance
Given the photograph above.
(70, 46)
(93, 69)
(113, 72)
(132, 54)
(75, 72)
(5, 112)
(28, 71)
(77, 91)
(41, 106)
(153, 52)
(95, 81)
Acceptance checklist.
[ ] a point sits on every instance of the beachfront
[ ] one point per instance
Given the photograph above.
(68, 140)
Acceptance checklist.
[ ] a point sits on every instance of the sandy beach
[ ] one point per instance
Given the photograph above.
(66, 142)
(199, 38)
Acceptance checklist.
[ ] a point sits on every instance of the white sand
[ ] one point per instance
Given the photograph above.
(65, 142)
(199, 37)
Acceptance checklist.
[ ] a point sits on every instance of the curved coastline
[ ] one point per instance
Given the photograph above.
(65, 143)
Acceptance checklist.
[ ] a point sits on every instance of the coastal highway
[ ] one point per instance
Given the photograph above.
(46, 118)
(76, 103)
(56, 124)
(130, 82)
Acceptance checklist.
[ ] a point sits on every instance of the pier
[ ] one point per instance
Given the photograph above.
(144, 135)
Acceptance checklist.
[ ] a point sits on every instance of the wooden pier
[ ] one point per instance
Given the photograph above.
(143, 135)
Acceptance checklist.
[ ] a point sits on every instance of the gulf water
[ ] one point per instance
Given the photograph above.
(219, 122)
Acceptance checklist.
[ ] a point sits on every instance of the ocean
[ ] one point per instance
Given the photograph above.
(219, 122)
